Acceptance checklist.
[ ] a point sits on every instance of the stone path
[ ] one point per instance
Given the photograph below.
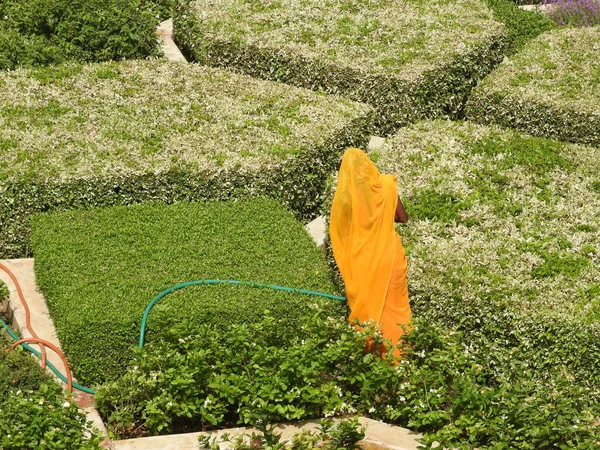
(379, 436)
(171, 51)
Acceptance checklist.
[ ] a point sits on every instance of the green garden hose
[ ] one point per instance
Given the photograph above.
(156, 299)
(236, 282)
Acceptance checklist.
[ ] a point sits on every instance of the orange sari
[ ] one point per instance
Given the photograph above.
(366, 247)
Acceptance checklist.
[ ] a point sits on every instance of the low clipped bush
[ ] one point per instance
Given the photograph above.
(549, 89)
(407, 59)
(3, 291)
(457, 390)
(500, 216)
(78, 136)
(98, 269)
(42, 32)
(521, 25)
(34, 411)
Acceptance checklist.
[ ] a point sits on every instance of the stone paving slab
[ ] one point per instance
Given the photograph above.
(42, 324)
(170, 49)
(379, 436)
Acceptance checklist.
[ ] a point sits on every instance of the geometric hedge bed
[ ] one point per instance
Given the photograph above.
(504, 240)
(99, 268)
(407, 59)
(78, 136)
(502, 216)
(550, 89)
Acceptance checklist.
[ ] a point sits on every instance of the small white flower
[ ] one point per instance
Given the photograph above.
(66, 404)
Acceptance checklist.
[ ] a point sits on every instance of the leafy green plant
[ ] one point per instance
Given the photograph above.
(3, 291)
(34, 412)
(472, 384)
(36, 32)
(98, 269)
(344, 435)
(522, 25)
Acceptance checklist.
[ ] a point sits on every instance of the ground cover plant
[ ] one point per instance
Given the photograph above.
(98, 269)
(97, 135)
(549, 89)
(41, 32)
(408, 59)
(500, 216)
(455, 388)
(521, 25)
(34, 412)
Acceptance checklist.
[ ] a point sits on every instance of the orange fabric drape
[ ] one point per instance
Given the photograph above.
(366, 247)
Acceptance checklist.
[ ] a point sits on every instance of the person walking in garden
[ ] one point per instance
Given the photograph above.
(366, 247)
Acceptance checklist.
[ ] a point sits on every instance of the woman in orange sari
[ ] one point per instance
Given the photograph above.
(366, 247)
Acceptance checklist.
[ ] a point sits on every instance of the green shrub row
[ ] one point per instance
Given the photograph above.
(383, 53)
(459, 392)
(34, 411)
(549, 89)
(98, 269)
(501, 216)
(42, 32)
(521, 25)
(98, 135)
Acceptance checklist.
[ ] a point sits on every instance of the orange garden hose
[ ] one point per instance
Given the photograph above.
(51, 346)
(27, 313)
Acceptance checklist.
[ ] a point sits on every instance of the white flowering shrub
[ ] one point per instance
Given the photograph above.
(500, 216)
(407, 59)
(549, 89)
(79, 136)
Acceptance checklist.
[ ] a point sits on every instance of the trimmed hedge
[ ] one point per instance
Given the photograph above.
(407, 59)
(550, 89)
(503, 240)
(98, 269)
(499, 215)
(78, 136)
(41, 32)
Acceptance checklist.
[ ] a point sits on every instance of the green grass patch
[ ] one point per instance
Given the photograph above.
(549, 89)
(103, 134)
(98, 269)
(517, 213)
(408, 59)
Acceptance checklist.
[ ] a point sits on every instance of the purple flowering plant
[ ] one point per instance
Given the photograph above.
(578, 13)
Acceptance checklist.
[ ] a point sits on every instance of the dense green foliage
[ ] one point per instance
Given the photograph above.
(98, 269)
(549, 89)
(459, 388)
(34, 413)
(501, 216)
(408, 59)
(3, 291)
(78, 136)
(42, 32)
(522, 25)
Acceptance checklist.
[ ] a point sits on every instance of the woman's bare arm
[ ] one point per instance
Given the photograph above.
(400, 215)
